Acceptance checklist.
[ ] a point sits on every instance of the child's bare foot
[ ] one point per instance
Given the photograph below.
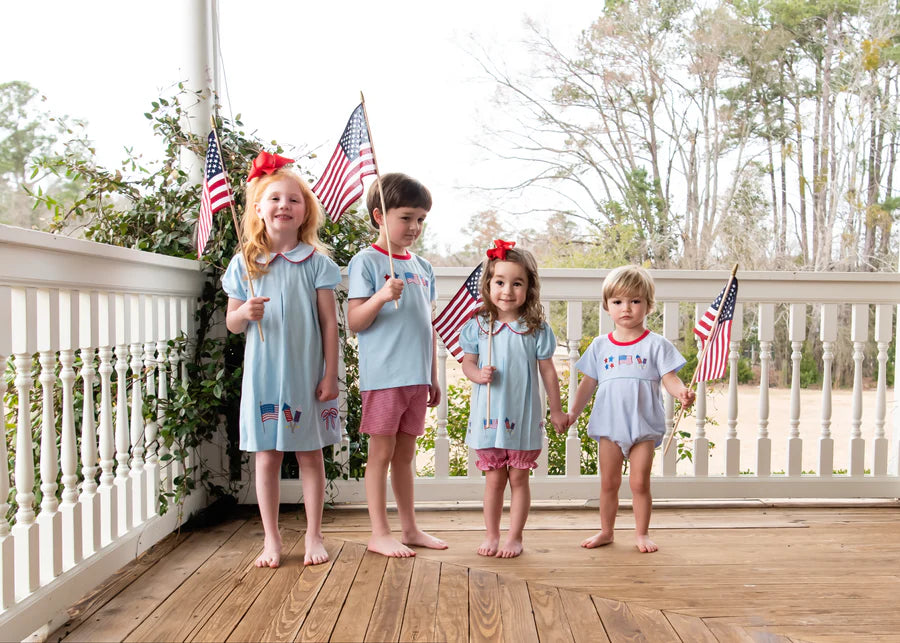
(511, 548)
(315, 550)
(419, 538)
(271, 554)
(644, 544)
(389, 546)
(489, 546)
(598, 540)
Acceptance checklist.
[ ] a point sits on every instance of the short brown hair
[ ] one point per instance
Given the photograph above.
(400, 191)
(629, 280)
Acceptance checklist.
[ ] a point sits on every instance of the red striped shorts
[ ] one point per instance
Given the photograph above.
(389, 411)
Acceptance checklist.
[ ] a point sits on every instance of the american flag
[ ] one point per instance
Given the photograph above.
(267, 412)
(216, 194)
(457, 312)
(716, 358)
(341, 182)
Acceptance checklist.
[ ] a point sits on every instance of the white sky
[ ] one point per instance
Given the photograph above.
(294, 71)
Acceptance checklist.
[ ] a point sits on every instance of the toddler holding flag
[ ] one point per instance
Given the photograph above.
(290, 380)
(508, 346)
(626, 368)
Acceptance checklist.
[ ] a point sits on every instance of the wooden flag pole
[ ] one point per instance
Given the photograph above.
(387, 234)
(237, 228)
(702, 355)
(490, 343)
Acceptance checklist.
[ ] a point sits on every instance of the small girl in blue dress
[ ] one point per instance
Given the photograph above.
(508, 439)
(626, 368)
(291, 379)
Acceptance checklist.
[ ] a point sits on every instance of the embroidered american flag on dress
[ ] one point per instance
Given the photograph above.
(715, 360)
(215, 195)
(341, 182)
(458, 312)
(268, 412)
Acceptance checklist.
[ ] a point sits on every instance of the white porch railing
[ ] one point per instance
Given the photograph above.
(118, 309)
(745, 454)
(59, 296)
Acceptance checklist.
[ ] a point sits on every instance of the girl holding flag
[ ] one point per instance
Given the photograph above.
(291, 379)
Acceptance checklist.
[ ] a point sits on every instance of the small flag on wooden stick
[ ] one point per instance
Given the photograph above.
(716, 334)
(341, 183)
(215, 195)
(456, 313)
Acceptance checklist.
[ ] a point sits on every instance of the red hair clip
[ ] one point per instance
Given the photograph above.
(499, 249)
(266, 163)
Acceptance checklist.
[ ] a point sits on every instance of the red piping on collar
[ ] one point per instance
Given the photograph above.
(612, 339)
(407, 256)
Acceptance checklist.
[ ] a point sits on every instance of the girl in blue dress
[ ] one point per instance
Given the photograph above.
(507, 439)
(626, 368)
(291, 379)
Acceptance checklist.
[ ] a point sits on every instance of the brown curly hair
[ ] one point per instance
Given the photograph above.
(532, 314)
(256, 241)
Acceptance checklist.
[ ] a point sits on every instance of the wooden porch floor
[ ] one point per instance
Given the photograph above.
(755, 573)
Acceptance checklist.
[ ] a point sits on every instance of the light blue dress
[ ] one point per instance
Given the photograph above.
(515, 421)
(628, 405)
(279, 409)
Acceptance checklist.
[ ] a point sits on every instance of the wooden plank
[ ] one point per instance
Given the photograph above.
(188, 608)
(452, 623)
(421, 607)
(690, 628)
(115, 584)
(118, 617)
(485, 621)
(324, 612)
(515, 610)
(764, 635)
(354, 618)
(278, 612)
(387, 615)
(618, 621)
(653, 624)
(727, 632)
(231, 610)
(549, 615)
(583, 618)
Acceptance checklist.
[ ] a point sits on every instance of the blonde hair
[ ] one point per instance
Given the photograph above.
(532, 312)
(256, 240)
(629, 280)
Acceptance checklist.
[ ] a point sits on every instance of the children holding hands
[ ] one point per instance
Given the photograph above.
(508, 436)
(626, 368)
(290, 380)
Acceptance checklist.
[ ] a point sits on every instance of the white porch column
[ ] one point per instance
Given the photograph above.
(196, 73)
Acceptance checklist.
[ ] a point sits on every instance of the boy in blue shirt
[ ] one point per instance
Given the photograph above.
(397, 366)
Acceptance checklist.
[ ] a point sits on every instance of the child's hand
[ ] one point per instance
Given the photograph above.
(485, 375)
(254, 308)
(327, 389)
(559, 420)
(434, 395)
(391, 290)
(687, 397)
(571, 418)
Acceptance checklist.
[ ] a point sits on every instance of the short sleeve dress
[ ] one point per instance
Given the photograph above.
(515, 420)
(279, 409)
(628, 405)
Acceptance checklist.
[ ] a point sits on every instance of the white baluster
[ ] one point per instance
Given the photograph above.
(797, 332)
(88, 328)
(701, 442)
(109, 500)
(25, 531)
(122, 436)
(670, 332)
(543, 459)
(151, 468)
(49, 520)
(136, 473)
(174, 356)
(573, 332)
(828, 335)
(162, 393)
(7, 564)
(859, 331)
(442, 438)
(342, 450)
(766, 336)
(732, 442)
(70, 509)
(883, 321)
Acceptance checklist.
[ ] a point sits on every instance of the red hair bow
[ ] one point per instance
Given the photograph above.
(499, 249)
(266, 163)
